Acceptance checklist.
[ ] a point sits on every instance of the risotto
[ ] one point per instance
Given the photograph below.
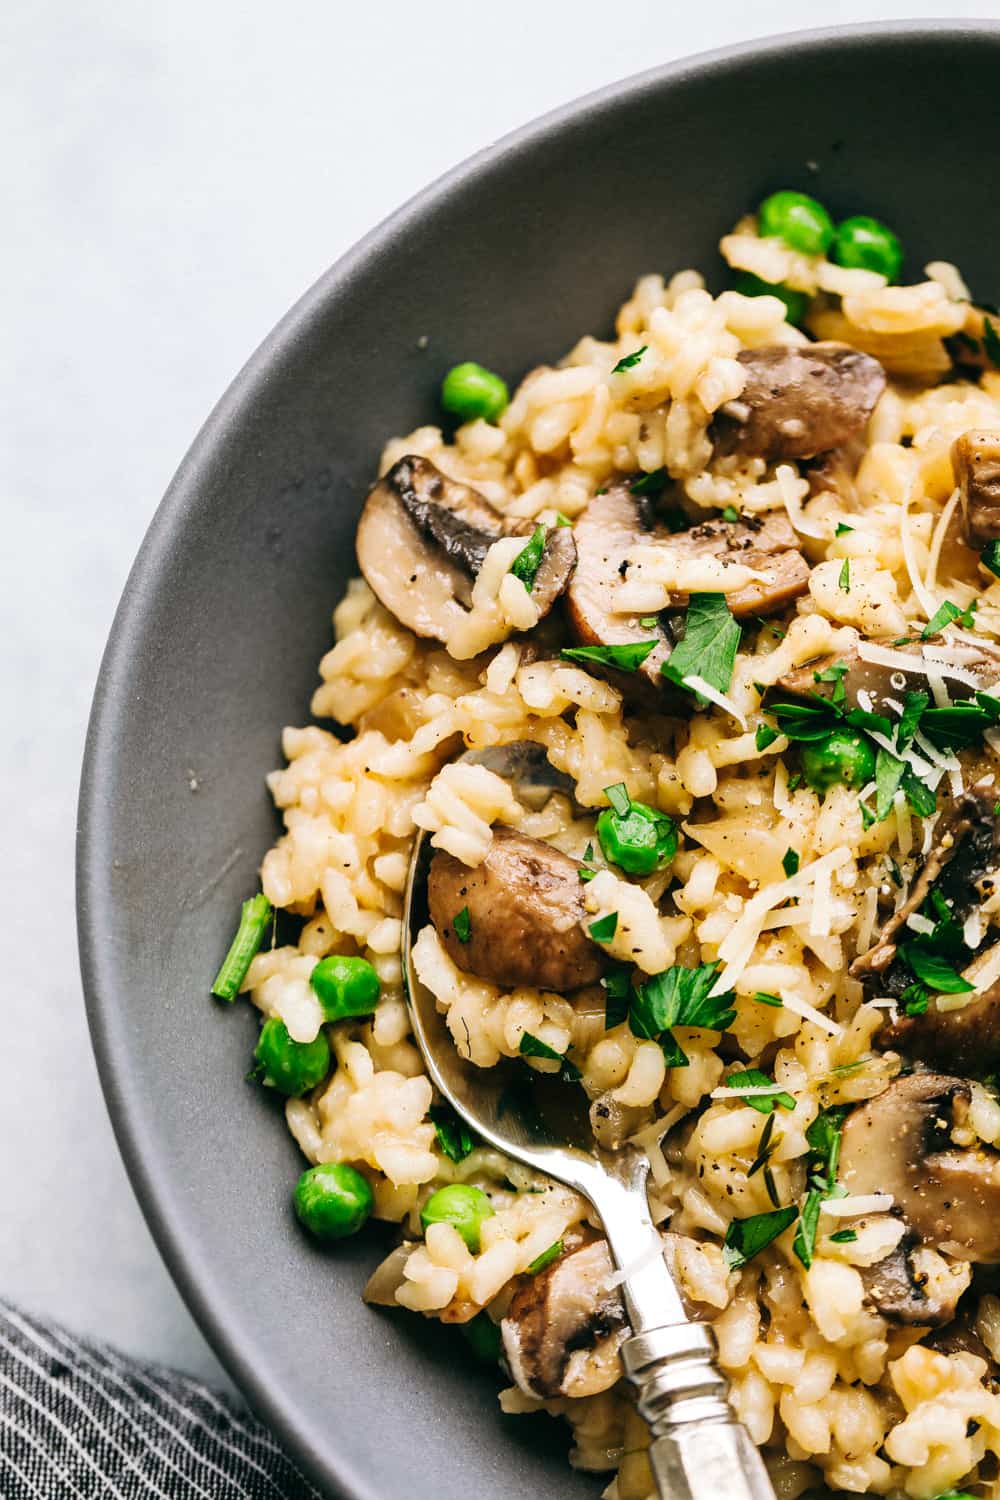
(736, 570)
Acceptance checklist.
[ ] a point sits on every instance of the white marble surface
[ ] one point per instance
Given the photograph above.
(172, 176)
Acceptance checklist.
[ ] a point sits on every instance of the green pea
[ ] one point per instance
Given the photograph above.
(844, 758)
(798, 220)
(640, 841)
(866, 243)
(471, 391)
(291, 1067)
(345, 986)
(483, 1337)
(461, 1206)
(333, 1200)
(796, 303)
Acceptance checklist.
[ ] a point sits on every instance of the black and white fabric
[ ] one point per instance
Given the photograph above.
(79, 1421)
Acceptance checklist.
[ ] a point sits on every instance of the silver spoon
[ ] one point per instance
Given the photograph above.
(699, 1450)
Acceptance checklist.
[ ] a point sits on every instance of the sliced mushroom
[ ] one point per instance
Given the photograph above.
(905, 1289)
(526, 909)
(962, 865)
(967, 1039)
(900, 1143)
(975, 457)
(421, 541)
(564, 1328)
(799, 401)
(876, 678)
(616, 522)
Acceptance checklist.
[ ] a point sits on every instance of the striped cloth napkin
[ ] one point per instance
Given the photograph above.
(79, 1421)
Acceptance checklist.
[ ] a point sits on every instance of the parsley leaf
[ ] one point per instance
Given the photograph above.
(619, 798)
(730, 513)
(650, 484)
(844, 1237)
(842, 529)
(804, 1242)
(453, 1136)
(805, 721)
(617, 984)
(934, 971)
(708, 649)
(462, 924)
(915, 998)
(627, 658)
(562, 520)
(823, 1137)
(990, 557)
(765, 736)
(913, 707)
(604, 929)
(629, 361)
(844, 581)
(546, 1258)
(961, 724)
(745, 1238)
(889, 770)
(528, 561)
(790, 862)
(921, 799)
(533, 1046)
(948, 614)
(991, 342)
(764, 1104)
(680, 997)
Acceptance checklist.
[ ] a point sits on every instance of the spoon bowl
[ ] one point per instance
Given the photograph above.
(699, 1450)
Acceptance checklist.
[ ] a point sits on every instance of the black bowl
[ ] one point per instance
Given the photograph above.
(508, 260)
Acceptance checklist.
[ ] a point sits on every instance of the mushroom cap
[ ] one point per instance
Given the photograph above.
(799, 400)
(564, 1328)
(905, 1289)
(975, 457)
(900, 1143)
(526, 910)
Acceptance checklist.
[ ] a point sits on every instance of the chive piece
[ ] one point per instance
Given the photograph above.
(766, 1146)
(254, 917)
(763, 998)
(604, 929)
(629, 361)
(462, 923)
(772, 1191)
(805, 1236)
(745, 1238)
(528, 561)
(790, 862)
(844, 581)
(627, 657)
(619, 798)
(546, 1258)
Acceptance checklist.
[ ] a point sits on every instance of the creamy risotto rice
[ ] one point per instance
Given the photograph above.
(762, 940)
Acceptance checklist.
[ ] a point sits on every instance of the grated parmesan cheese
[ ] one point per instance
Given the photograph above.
(860, 1203)
(800, 1007)
(737, 946)
(699, 685)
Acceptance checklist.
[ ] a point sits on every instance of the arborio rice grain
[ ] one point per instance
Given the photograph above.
(838, 1391)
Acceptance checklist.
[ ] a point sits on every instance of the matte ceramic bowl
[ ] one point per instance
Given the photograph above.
(508, 260)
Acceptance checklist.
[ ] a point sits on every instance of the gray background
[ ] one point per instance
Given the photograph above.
(172, 177)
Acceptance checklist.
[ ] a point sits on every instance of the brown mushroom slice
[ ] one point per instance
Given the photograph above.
(422, 539)
(526, 910)
(618, 521)
(876, 678)
(900, 1143)
(798, 401)
(905, 1289)
(975, 457)
(966, 1040)
(962, 865)
(564, 1328)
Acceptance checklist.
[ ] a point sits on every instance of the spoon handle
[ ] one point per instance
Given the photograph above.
(699, 1450)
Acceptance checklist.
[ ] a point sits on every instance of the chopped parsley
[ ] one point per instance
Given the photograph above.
(790, 862)
(804, 1242)
(617, 984)
(629, 361)
(915, 998)
(921, 799)
(961, 724)
(844, 1237)
(844, 581)
(990, 556)
(730, 513)
(934, 971)
(679, 996)
(619, 798)
(745, 1238)
(649, 622)
(462, 923)
(823, 1137)
(627, 658)
(527, 562)
(842, 529)
(562, 520)
(604, 929)
(765, 1104)
(650, 484)
(949, 614)
(914, 705)
(546, 1258)
(453, 1136)
(533, 1046)
(708, 649)
(765, 736)
(889, 771)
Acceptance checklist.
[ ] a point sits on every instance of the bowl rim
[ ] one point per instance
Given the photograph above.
(104, 1005)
